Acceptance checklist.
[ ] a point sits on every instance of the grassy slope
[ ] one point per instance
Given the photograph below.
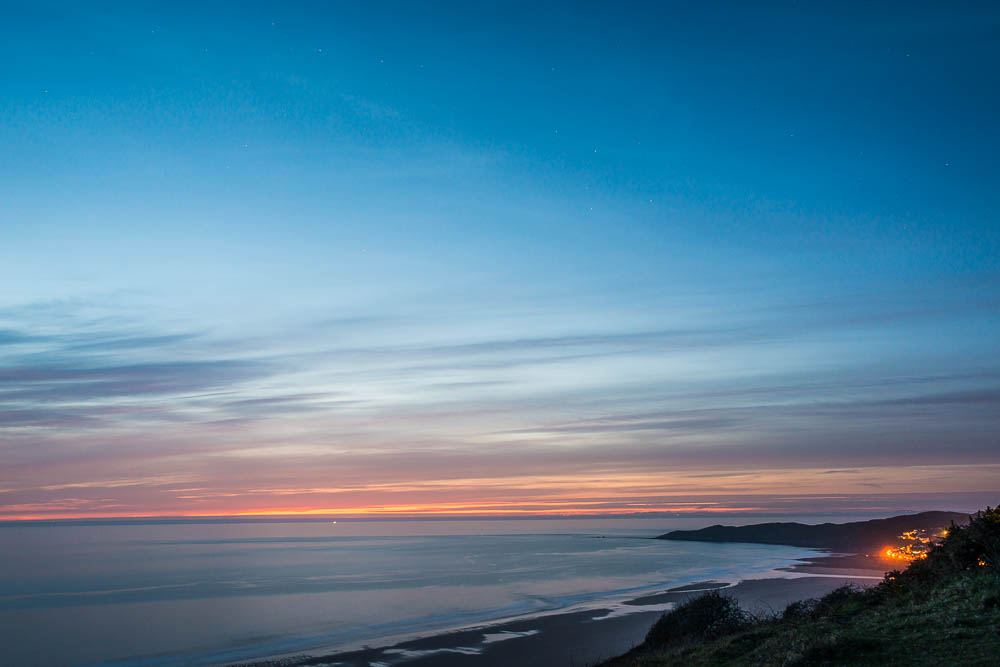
(943, 610)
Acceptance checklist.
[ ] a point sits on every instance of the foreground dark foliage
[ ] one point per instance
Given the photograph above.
(944, 609)
(707, 616)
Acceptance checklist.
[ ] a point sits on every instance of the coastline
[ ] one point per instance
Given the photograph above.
(580, 638)
(860, 564)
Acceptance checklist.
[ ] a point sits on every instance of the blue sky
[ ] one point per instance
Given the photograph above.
(317, 255)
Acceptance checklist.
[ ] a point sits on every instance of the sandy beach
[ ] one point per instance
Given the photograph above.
(588, 637)
(845, 564)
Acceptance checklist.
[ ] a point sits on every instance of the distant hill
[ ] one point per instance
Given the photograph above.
(858, 535)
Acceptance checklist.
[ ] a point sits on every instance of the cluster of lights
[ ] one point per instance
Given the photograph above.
(906, 553)
(919, 544)
(915, 536)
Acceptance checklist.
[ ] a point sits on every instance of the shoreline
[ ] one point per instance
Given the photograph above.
(839, 563)
(580, 638)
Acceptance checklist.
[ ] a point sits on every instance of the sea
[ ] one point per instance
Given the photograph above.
(162, 593)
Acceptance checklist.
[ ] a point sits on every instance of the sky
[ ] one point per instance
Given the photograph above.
(394, 259)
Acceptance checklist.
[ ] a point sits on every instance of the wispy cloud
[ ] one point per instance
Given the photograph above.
(113, 406)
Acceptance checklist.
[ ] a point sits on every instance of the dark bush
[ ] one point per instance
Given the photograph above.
(840, 604)
(801, 610)
(707, 616)
(837, 651)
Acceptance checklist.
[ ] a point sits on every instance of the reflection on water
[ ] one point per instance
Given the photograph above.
(217, 591)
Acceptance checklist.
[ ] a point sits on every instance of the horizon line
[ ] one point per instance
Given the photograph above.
(315, 518)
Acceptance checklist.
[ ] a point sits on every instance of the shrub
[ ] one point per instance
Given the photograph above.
(707, 616)
(840, 604)
(800, 611)
(837, 650)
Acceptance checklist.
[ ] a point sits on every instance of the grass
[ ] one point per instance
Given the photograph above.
(944, 609)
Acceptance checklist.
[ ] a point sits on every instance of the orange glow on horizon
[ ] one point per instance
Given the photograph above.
(591, 492)
(445, 510)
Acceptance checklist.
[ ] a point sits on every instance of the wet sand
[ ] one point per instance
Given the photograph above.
(853, 564)
(582, 638)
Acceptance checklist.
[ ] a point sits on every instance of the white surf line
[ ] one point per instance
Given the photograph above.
(628, 610)
(488, 638)
(803, 575)
(420, 653)
(504, 635)
(726, 584)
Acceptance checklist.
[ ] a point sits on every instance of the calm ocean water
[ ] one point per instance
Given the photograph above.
(208, 593)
